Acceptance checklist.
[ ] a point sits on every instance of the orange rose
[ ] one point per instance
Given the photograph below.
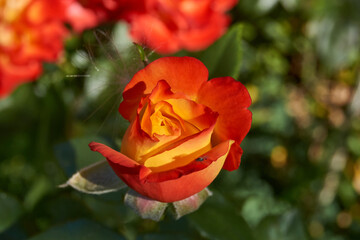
(183, 129)
(168, 26)
(32, 31)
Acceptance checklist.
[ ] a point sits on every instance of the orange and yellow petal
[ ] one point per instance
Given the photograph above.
(182, 154)
(184, 74)
(190, 181)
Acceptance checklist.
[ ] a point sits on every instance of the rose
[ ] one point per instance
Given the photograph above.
(168, 26)
(31, 32)
(183, 129)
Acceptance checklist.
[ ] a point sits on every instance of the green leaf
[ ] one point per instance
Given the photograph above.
(256, 207)
(191, 203)
(217, 219)
(353, 143)
(145, 207)
(10, 211)
(285, 227)
(79, 230)
(40, 188)
(109, 208)
(97, 178)
(223, 58)
(162, 236)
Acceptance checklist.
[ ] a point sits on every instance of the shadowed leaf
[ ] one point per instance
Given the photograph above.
(10, 210)
(80, 230)
(218, 219)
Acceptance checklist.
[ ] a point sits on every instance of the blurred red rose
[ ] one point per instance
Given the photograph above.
(183, 129)
(168, 26)
(31, 32)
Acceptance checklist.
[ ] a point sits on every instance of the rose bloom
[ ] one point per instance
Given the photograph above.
(183, 129)
(32, 32)
(168, 26)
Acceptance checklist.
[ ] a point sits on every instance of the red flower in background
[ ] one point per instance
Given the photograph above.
(31, 32)
(183, 129)
(169, 26)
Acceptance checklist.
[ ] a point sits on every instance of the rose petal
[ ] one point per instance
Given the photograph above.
(145, 207)
(124, 167)
(186, 185)
(230, 99)
(184, 75)
(198, 115)
(183, 154)
(170, 190)
(234, 158)
(115, 156)
(139, 145)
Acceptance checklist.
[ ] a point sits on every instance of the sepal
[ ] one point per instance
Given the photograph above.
(151, 209)
(97, 178)
(190, 204)
(145, 207)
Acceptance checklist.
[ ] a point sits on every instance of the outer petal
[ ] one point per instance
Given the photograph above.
(175, 189)
(115, 156)
(184, 75)
(230, 99)
(234, 158)
(191, 183)
(126, 168)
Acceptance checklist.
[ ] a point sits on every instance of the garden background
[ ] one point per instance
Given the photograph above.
(300, 172)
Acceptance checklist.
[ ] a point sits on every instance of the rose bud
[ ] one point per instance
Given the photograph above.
(183, 129)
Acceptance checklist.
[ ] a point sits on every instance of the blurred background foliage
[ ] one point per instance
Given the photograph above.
(300, 172)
